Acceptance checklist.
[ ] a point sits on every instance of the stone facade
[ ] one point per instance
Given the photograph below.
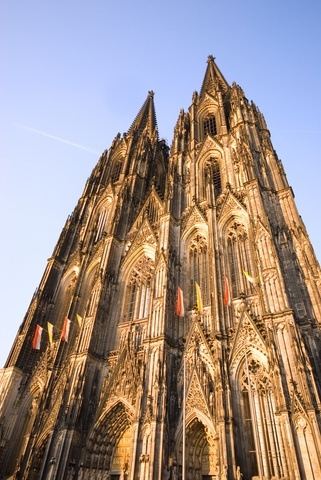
(231, 389)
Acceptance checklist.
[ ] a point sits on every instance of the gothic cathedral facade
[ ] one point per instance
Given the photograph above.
(106, 379)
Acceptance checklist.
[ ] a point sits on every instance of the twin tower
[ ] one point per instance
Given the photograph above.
(107, 379)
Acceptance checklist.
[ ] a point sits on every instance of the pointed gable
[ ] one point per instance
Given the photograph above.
(195, 397)
(151, 209)
(201, 374)
(231, 205)
(144, 236)
(248, 336)
(197, 337)
(193, 218)
(261, 230)
(210, 143)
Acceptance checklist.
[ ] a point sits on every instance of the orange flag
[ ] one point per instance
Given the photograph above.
(180, 303)
(36, 341)
(65, 330)
(227, 296)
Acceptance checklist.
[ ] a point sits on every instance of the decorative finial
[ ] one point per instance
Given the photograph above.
(210, 58)
(151, 94)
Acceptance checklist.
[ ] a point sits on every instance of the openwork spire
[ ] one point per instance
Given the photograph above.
(146, 117)
(213, 78)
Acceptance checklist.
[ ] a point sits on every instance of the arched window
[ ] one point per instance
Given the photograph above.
(93, 301)
(198, 262)
(239, 260)
(213, 176)
(116, 171)
(138, 291)
(258, 432)
(101, 224)
(209, 125)
(216, 178)
(308, 448)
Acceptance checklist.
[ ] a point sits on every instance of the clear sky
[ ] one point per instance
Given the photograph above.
(75, 73)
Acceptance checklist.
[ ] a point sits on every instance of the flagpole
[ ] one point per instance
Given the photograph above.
(253, 419)
(184, 417)
(181, 313)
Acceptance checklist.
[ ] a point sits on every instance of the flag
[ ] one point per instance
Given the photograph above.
(180, 303)
(36, 341)
(199, 298)
(251, 279)
(50, 330)
(227, 296)
(79, 320)
(65, 330)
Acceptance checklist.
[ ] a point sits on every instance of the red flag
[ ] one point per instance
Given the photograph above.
(227, 296)
(36, 341)
(65, 330)
(180, 303)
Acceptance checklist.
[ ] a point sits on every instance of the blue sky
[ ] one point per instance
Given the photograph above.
(75, 73)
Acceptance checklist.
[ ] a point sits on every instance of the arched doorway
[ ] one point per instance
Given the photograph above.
(201, 452)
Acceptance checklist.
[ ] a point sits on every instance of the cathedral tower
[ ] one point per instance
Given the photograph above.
(111, 377)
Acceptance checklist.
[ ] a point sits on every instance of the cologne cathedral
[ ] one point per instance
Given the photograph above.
(175, 333)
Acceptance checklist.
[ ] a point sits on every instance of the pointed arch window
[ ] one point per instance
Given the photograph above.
(93, 301)
(116, 171)
(216, 177)
(213, 176)
(209, 125)
(198, 262)
(260, 445)
(249, 432)
(101, 224)
(138, 291)
(239, 260)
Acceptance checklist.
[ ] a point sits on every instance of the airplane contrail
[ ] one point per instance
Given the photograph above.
(53, 137)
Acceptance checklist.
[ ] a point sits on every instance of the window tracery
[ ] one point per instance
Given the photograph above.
(257, 410)
(239, 259)
(117, 167)
(101, 224)
(93, 301)
(209, 125)
(198, 262)
(138, 290)
(212, 174)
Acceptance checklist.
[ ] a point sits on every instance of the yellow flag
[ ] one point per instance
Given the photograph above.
(199, 298)
(50, 330)
(251, 279)
(79, 320)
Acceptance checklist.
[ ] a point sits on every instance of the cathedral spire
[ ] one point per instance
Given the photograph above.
(146, 117)
(213, 78)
